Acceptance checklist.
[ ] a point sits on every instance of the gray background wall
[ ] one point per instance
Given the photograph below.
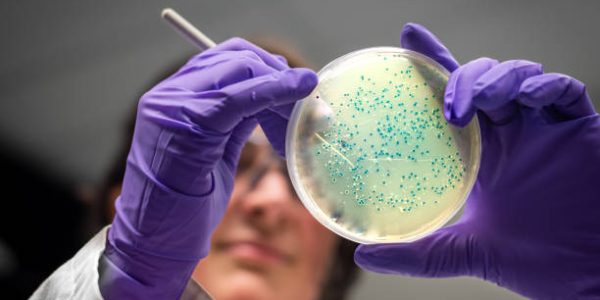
(70, 71)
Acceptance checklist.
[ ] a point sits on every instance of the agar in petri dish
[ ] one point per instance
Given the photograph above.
(370, 153)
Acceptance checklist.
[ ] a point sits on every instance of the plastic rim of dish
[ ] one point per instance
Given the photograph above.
(472, 129)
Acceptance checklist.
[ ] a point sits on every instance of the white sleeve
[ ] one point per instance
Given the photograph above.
(78, 277)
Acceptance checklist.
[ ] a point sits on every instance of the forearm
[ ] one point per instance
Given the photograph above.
(130, 277)
(152, 250)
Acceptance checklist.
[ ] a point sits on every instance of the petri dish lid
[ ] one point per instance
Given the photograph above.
(370, 153)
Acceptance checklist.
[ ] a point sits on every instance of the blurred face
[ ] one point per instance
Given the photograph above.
(267, 245)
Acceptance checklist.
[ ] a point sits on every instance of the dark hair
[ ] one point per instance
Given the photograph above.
(343, 271)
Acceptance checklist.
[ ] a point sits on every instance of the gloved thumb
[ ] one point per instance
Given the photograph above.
(445, 253)
(417, 38)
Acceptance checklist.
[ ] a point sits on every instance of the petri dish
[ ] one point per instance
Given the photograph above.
(370, 153)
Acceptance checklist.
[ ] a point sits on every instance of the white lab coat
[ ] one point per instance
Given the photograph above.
(78, 277)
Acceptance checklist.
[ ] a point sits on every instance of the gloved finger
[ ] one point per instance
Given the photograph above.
(442, 254)
(281, 58)
(237, 44)
(278, 88)
(229, 105)
(495, 91)
(228, 68)
(284, 111)
(237, 140)
(559, 93)
(274, 121)
(417, 38)
(275, 128)
(211, 57)
(458, 106)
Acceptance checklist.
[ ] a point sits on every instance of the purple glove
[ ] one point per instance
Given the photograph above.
(189, 133)
(532, 222)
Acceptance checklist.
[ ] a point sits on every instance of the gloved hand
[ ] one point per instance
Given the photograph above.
(532, 222)
(189, 133)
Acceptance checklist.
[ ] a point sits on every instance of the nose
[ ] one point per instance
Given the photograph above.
(268, 204)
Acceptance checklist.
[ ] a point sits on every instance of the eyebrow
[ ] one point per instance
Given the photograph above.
(257, 174)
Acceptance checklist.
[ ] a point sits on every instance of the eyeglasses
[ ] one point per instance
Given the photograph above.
(257, 160)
